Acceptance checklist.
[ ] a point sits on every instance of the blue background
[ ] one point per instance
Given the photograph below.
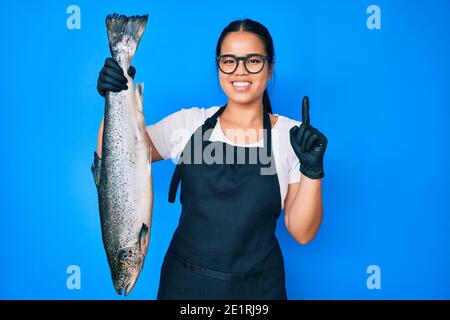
(380, 96)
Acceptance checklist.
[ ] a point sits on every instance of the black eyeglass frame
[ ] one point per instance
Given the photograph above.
(243, 58)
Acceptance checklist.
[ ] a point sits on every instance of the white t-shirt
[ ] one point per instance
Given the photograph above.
(171, 134)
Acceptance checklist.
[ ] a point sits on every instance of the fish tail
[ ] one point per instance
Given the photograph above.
(121, 28)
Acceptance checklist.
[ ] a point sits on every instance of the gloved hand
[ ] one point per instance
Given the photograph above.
(111, 77)
(309, 145)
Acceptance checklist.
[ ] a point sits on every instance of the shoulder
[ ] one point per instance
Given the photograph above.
(199, 113)
(284, 123)
(188, 117)
(194, 116)
(171, 133)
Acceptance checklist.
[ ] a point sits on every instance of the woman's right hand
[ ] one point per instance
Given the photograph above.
(111, 77)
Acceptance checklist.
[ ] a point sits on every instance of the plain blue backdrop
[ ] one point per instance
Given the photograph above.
(380, 96)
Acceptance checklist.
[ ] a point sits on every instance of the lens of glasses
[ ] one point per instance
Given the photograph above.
(227, 64)
(253, 64)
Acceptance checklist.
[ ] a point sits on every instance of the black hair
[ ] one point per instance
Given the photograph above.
(261, 31)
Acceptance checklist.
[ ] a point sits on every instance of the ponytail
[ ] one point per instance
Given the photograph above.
(266, 102)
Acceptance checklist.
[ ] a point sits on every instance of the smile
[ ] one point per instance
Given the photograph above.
(241, 85)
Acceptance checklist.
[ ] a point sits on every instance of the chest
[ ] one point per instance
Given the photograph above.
(242, 135)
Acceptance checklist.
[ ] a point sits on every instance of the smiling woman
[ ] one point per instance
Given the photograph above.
(224, 246)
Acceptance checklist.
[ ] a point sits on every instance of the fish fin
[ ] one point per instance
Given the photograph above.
(139, 92)
(120, 27)
(144, 239)
(96, 168)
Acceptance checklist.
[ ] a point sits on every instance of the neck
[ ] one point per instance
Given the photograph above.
(245, 115)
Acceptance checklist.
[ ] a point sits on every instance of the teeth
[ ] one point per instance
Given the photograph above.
(241, 84)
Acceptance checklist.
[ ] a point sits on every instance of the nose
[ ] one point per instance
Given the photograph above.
(240, 68)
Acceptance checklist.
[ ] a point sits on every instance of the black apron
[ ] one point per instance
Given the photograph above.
(225, 246)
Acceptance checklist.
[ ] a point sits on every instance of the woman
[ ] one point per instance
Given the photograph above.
(225, 246)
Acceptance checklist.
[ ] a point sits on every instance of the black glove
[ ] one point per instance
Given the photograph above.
(111, 77)
(309, 145)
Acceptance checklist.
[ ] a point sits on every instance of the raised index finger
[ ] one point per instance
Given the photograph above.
(305, 111)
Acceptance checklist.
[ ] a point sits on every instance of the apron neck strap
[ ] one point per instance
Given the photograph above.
(211, 122)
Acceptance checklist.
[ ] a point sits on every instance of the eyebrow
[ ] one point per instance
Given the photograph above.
(248, 54)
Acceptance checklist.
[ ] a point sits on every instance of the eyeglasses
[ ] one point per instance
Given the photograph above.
(253, 62)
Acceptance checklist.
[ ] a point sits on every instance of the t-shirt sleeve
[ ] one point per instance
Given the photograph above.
(170, 134)
(294, 163)
(294, 171)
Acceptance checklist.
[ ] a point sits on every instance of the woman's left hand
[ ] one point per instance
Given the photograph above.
(309, 145)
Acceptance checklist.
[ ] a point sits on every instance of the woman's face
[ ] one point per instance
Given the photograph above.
(240, 44)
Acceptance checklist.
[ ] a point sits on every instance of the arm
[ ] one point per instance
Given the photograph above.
(155, 154)
(303, 205)
(303, 209)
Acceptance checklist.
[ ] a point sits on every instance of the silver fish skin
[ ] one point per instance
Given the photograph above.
(123, 175)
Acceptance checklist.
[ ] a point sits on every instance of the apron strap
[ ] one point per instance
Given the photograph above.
(268, 132)
(176, 177)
